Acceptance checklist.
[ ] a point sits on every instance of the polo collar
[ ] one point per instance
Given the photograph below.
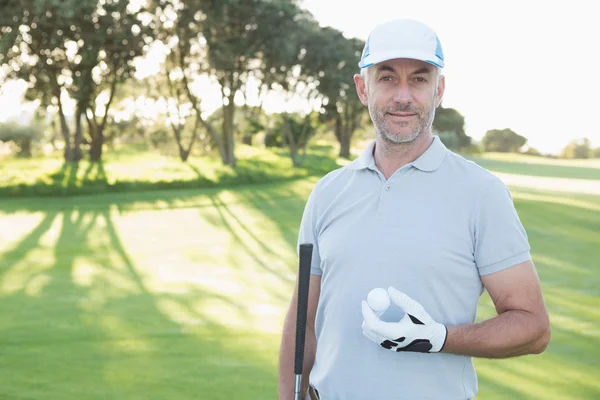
(429, 161)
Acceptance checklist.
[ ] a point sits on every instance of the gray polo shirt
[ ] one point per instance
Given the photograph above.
(431, 230)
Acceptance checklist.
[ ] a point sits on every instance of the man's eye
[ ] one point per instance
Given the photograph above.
(420, 79)
(386, 78)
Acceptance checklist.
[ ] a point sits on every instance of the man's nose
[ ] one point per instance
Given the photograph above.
(402, 93)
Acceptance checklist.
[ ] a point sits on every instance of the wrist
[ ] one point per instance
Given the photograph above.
(439, 337)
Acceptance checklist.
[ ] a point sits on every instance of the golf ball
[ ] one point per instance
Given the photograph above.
(378, 299)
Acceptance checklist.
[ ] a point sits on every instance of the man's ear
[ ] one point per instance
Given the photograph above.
(441, 87)
(361, 89)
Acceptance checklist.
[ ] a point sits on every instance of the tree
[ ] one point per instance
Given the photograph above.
(225, 40)
(291, 67)
(579, 148)
(34, 49)
(502, 140)
(78, 48)
(295, 131)
(167, 86)
(331, 59)
(596, 152)
(112, 35)
(449, 124)
(532, 151)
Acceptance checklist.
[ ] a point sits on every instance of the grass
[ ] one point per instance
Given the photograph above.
(538, 166)
(564, 232)
(123, 170)
(181, 294)
(161, 295)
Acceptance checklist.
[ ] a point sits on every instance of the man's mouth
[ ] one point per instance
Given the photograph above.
(402, 114)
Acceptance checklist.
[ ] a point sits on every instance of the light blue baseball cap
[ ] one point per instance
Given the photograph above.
(402, 38)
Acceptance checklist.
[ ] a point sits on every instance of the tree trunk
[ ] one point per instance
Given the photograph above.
(98, 139)
(65, 132)
(345, 144)
(289, 137)
(77, 153)
(228, 132)
(183, 154)
(247, 140)
(55, 133)
(24, 148)
(56, 91)
(97, 145)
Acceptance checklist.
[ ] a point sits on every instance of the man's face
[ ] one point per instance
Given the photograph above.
(402, 96)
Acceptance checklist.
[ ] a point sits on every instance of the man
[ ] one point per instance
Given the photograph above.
(432, 228)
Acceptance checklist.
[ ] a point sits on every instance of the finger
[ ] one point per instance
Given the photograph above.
(371, 322)
(409, 305)
(387, 330)
(372, 336)
(369, 315)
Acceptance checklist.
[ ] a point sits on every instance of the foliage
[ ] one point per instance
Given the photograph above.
(294, 131)
(77, 47)
(579, 148)
(450, 125)
(87, 50)
(532, 151)
(502, 140)
(332, 59)
(230, 41)
(23, 136)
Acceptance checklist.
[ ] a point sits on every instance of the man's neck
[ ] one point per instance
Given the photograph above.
(389, 157)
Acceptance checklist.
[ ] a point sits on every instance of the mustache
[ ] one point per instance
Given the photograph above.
(405, 108)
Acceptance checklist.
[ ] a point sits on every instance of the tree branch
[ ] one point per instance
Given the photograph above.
(113, 86)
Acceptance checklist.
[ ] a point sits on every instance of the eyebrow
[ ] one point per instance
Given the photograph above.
(385, 67)
(424, 70)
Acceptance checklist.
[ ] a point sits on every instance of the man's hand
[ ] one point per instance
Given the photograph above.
(416, 331)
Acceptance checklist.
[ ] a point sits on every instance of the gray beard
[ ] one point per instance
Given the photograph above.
(378, 118)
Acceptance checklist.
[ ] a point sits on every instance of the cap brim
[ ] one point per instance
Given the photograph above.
(376, 58)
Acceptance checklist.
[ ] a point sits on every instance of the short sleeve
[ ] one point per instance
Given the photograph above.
(500, 238)
(308, 232)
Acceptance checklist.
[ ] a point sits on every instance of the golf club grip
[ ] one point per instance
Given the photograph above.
(306, 250)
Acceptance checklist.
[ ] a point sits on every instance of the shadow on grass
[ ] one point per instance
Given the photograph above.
(95, 170)
(265, 251)
(85, 321)
(102, 316)
(70, 181)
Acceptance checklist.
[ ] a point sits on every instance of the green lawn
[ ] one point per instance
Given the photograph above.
(181, 295)
(512, 163)
(134, 169)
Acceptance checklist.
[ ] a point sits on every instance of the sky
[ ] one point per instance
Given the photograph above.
(527, 65)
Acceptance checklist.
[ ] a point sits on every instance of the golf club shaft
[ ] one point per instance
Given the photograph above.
(303, 285)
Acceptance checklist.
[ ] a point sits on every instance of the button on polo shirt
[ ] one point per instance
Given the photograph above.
(431, 230)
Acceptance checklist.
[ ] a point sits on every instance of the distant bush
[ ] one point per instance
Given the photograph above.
(22, 136)
(531, 151)
(579, 148)
(502, 140)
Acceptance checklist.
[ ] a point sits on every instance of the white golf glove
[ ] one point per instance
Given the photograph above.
(416, 331)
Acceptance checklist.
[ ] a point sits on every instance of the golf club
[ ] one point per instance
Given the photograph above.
(306, 250)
